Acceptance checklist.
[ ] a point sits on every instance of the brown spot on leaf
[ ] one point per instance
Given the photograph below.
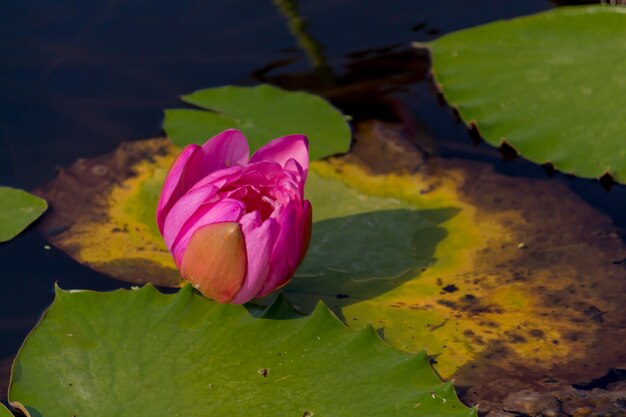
(594, 313)
(450, 288)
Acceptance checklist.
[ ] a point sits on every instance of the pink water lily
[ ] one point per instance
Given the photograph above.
(237, 227)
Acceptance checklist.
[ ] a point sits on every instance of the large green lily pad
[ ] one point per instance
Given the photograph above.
(262, 113)
(18, 209)
(551, 85)
(142, 353)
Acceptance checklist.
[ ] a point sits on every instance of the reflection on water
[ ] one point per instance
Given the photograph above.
(311, 47)
(79, 77)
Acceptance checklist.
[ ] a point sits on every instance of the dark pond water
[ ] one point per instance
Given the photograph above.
(77, 78)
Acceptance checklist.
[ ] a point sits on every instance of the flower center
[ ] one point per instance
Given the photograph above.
(257, 200)
(253, 197)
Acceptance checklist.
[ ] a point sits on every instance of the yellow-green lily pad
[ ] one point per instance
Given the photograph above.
(498, 278)
(4, 412)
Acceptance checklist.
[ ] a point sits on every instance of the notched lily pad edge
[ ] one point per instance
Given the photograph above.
(607, 179)
(280, 308)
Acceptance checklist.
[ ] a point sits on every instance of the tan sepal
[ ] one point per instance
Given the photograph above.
(215, 260)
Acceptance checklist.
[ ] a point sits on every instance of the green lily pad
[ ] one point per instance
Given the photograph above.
(262, 113)
(18, 209)
(143, 353)
(551, 85)
(4, 412)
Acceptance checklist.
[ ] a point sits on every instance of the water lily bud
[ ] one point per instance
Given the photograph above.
(237, 227)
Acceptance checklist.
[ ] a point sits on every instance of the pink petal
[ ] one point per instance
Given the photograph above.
(226, 210)
(250, 221)
(290, 244)
(220, 178)
(225, 150)
(286, 250)
(194, 163)
(262, 173)
(259, 244)
(182, 210)
(298, 174)
(238, 193)
(283, 149)
(173, 188)
(306, 222)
